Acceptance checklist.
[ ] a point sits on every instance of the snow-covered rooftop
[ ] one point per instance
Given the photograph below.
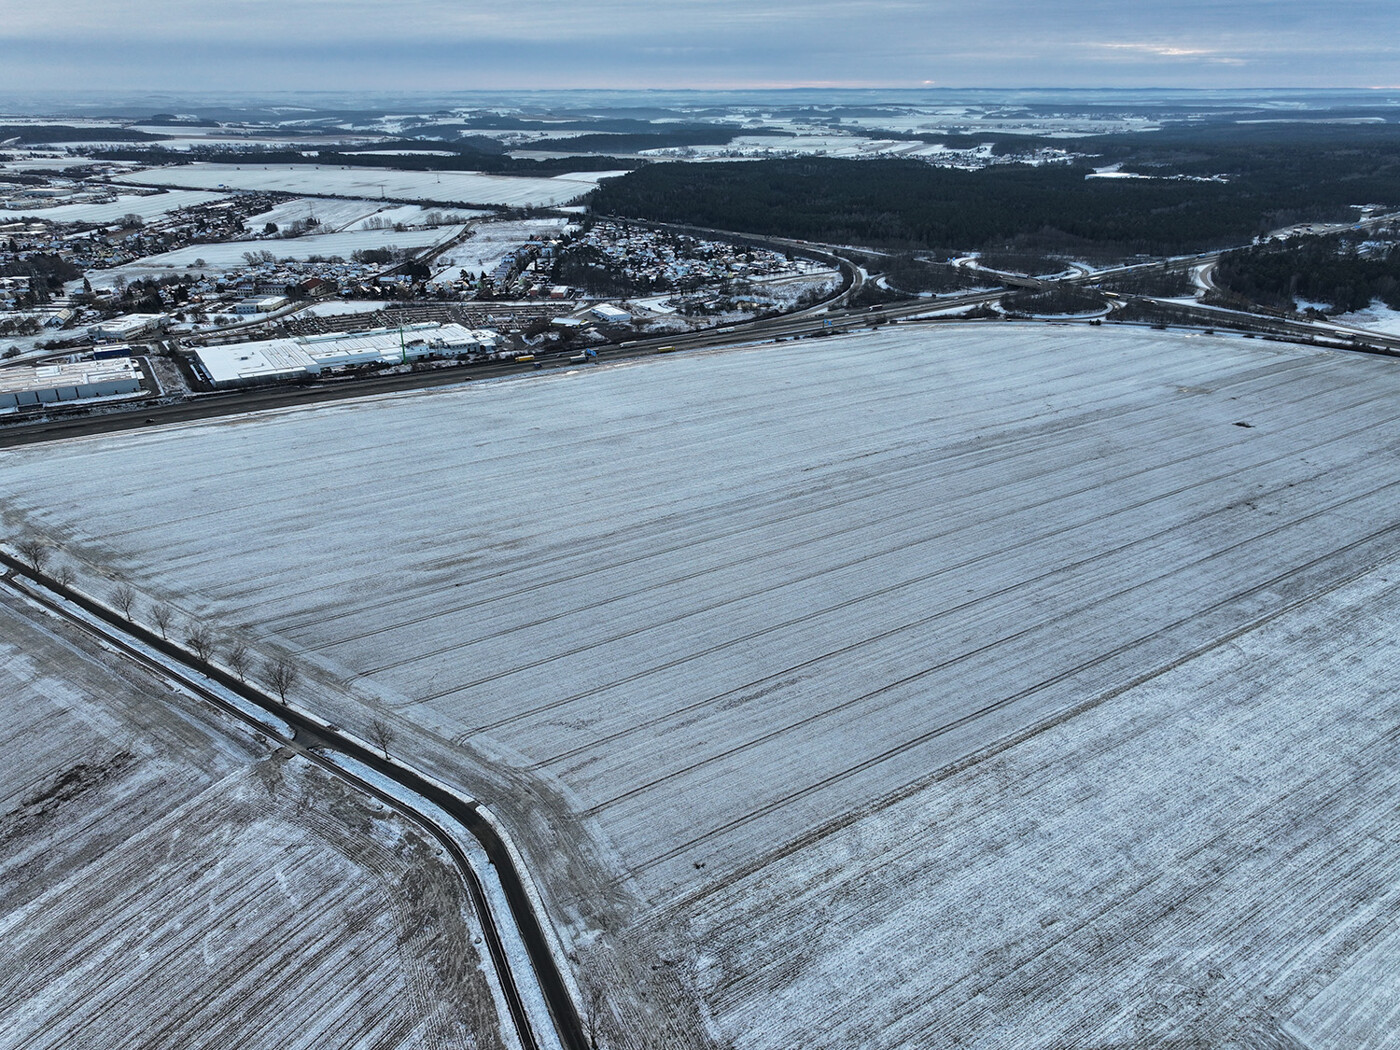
(66, 381)
(292, 358)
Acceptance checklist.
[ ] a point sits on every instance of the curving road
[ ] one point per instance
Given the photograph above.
(311, 734)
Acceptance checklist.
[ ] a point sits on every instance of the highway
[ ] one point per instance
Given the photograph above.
(826, 317)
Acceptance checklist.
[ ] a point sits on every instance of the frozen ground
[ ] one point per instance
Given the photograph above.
(343, 215)
(229, 255)
(1205, 860)
(785, 291)
(148, 206)
(348, 306)
(736, 642)
(1375, 318)
(442, 187)
(826, 145)
(491, 242)
(165, 881)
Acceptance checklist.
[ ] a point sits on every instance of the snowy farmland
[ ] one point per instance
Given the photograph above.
(165, 881)
(149, 206)
(1011, 688)
(336, 216)
(230, 254)
(491, 242)
(446, 187)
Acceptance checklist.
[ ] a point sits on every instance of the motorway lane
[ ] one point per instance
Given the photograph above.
(210, 406)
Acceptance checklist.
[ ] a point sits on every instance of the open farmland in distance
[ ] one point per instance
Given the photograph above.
(1022, 687)
(166, 881)
(343, 216)
(230, 254)
(149, 206)
(465, 187)
(491, 242)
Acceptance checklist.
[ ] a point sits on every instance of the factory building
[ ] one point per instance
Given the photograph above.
(265, 305)
(48, 384)
(611, 314)
(302, 357)
(129, 326)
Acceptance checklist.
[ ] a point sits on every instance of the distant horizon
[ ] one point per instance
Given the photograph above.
(435, 46)
(23, 104)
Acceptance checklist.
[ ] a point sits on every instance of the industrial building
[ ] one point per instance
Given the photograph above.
(611, 314)
(75, 381)
(275, 360)
(264, 305)
(128, 326)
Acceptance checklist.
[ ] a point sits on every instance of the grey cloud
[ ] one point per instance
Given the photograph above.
(432, 45)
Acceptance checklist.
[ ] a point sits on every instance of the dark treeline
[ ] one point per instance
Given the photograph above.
(496, 164)
(36, 134)
(494, 122)
(46, 274)
(908, 204)
(908, 273)
(1272, 175)
(584, 266)
(1328, 270)
(467, 145)
(1065, 299)
(659, 138)
(1364, 158)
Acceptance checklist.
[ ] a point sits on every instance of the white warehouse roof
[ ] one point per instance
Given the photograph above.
(126, 326)
(270, 359)
(608, 312)
(69, 381)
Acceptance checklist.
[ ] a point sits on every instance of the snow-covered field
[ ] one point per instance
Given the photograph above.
(491, 242)
(168, 882)
(148, 206)
(337, 215)
(785, 291)
(349, 306)
(835, 145)
(736, 642)
(441, 187)
(229, 255)
(1375, 318)
(27, 161)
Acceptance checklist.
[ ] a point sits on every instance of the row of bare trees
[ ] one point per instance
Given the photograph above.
(279, 673)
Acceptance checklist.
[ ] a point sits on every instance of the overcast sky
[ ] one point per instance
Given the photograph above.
(446, 45)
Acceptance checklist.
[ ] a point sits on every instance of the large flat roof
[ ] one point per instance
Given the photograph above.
(308, 355)
(20, 378)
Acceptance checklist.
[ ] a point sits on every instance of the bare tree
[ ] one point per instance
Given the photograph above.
(64, 575)
(123, 598)
(201, 640)
(162, 616)
(35, 551)
(237, 660)
(592, 1012)
(381, 734)
(281, 675)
